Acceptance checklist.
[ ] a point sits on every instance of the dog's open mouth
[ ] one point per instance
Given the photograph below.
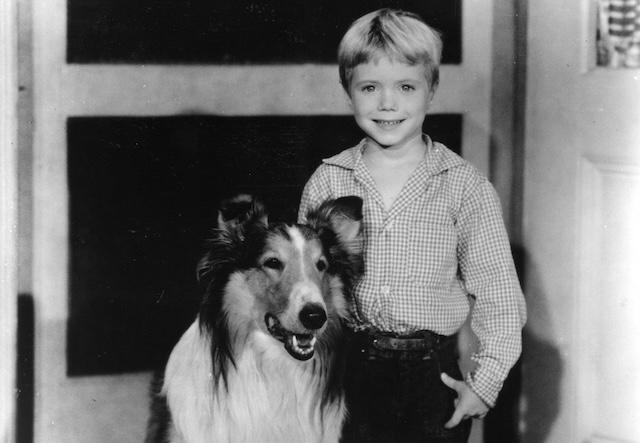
(300, 346)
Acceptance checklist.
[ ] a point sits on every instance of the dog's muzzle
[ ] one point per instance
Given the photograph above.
(300, 346)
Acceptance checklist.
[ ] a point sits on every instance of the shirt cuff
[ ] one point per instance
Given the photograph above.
(485, 386)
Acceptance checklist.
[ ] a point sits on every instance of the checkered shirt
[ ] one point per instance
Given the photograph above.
(442, 240)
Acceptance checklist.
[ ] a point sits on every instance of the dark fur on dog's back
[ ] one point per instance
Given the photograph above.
(237, 263)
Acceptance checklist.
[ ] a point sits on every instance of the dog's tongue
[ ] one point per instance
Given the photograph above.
(300, 346)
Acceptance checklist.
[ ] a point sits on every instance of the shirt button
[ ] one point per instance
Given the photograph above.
(385, 290)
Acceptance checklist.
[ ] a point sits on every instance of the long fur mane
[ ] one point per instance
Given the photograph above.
(227, 379)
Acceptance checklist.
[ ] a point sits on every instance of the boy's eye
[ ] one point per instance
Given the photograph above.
(368, 88)
(407, 88)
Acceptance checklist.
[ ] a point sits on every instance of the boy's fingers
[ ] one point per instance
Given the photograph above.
(449, 381)
(457, 414)
(454, 420)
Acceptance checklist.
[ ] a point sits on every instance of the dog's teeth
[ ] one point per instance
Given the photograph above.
(307, 349)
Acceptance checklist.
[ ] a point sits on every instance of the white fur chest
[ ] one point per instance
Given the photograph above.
(270, 397)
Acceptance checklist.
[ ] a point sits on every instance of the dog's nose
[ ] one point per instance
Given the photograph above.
(313, 316)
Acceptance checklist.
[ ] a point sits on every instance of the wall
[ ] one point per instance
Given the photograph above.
(8, 216)
(580, 197)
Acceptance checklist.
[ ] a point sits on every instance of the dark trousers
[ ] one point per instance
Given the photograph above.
(394, 392)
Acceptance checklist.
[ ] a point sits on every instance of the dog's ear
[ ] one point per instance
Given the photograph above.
(237, 218)
(344, 216)
(238, 212)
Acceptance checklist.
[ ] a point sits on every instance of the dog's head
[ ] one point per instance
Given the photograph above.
(288, 282)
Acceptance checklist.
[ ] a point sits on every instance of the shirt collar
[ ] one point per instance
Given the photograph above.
(439, 157)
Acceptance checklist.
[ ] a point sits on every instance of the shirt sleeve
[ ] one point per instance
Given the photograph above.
(315, 192)
(489, 275)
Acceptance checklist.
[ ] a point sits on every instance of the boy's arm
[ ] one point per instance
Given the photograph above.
(488, 271)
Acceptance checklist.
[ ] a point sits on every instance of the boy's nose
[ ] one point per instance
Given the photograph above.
(387, 101)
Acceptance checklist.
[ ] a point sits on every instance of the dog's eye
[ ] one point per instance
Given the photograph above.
(273, 263)
(321, 265)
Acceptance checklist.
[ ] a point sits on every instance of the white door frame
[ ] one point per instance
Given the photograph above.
(8, 216)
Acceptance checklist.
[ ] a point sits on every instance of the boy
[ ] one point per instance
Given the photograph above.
(434, 236)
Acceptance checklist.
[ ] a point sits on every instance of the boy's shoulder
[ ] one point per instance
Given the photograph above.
(445, 159)
(448, 160)
(460, 173)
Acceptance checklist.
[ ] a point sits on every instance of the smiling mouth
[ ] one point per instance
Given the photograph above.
(388, 123)
(299, 346)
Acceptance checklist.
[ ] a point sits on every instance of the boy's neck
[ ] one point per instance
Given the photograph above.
(391, 167)
(412, 152)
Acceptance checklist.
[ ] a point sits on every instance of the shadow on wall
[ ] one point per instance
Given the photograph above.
(25, 371)
(529, 402)
(542, 371)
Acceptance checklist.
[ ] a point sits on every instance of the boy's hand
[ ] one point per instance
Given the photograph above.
(468, 404)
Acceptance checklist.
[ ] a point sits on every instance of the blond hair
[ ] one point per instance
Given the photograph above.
(400, 35)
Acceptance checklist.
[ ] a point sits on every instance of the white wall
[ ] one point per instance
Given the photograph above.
(582, 179)
(8, 215)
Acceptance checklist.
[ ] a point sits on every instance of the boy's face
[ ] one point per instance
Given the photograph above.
(390, 100)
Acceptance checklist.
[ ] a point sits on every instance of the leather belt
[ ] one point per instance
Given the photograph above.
(420, 345)
(390, 343)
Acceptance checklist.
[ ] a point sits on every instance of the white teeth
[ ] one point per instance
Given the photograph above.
(296, 347)
(388, 123)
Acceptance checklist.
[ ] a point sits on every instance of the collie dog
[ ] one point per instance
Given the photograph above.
(264, 360)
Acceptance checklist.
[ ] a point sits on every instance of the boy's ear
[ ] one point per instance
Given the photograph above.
(347, 97)
(432, 93)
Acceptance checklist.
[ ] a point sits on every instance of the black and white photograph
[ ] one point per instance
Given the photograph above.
(281, 221)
